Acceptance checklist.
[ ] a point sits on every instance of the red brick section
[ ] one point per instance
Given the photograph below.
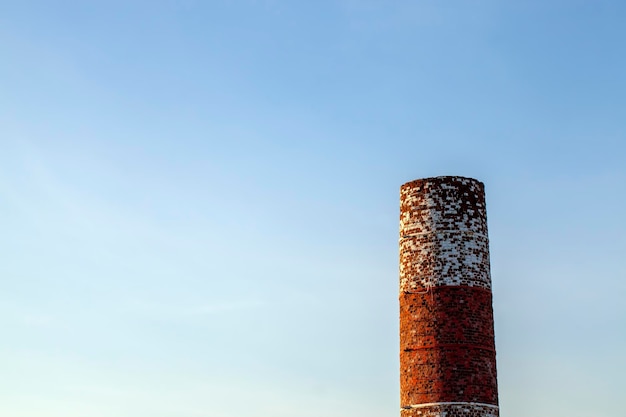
(447, 350)
(447, 315)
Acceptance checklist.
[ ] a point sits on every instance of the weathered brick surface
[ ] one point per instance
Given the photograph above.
(443, 234)
(452, 410)
(443, 203)
(448, 374)
(451, 314)
(447, 351)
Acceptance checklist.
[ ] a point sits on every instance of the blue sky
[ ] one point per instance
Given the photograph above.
(199, 199)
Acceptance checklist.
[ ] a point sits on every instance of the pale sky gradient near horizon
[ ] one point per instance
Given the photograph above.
(199, 199)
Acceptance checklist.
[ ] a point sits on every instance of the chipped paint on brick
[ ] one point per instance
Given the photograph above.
(458, 409)
(443, 234)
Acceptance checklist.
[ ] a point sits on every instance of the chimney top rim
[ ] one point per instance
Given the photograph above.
(441, 179)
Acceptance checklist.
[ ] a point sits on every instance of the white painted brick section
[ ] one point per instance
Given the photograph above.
(459, 409)
(443, 234)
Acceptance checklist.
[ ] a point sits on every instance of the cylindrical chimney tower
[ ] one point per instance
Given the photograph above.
(447, 349)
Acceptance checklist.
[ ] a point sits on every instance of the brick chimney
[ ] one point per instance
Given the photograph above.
(447, 349)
